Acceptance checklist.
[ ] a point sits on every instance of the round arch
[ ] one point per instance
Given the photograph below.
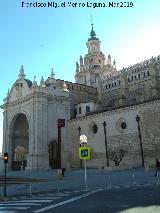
(19, 141)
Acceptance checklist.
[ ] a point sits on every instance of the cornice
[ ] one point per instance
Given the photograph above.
(122, 109)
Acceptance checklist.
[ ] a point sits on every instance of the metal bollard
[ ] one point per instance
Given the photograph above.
(157, 178)
(30, 190)
(110, 183)
(134, 182)
(58, 186)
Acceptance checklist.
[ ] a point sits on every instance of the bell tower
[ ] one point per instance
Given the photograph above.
(93, 43)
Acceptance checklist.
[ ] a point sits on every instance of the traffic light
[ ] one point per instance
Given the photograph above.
(5, 157)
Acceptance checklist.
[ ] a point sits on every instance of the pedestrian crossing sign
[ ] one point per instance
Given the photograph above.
(84, 153)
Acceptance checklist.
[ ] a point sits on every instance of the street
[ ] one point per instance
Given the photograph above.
(108, 191)
(128, 200)
(123, 199)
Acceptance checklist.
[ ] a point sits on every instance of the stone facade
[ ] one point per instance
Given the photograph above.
(131, 85)
(40, 107)
(32, 113)
(119, 137)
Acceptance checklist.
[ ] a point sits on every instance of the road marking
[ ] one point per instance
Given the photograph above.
(67, 201)
(14, 207)
(50, 194)
(64, 195)
(20, 204)
(47, 198)
(35, 201)
(54, 198)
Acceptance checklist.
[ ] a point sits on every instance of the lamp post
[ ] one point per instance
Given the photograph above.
(79, 131)
(140, 139)
(106, 145)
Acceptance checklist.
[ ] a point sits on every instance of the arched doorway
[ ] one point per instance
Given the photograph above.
(53, 154)
(20, 142)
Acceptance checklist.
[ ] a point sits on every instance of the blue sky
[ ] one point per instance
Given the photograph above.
(42, 38)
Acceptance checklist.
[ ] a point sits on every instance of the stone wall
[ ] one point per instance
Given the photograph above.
(117, 137)
(79, 93)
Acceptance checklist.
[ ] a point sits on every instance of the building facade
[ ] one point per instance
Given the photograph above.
(118, 111)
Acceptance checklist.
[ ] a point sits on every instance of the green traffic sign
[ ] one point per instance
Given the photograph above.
(84, 153)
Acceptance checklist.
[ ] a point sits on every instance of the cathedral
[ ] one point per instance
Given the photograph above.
(117, 110)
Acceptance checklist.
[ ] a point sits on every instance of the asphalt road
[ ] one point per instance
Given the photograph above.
(126, 200)
(67, 195)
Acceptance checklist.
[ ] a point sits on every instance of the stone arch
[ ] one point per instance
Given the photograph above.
(19, 141)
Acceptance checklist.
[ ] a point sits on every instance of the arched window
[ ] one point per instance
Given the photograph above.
(87, 109)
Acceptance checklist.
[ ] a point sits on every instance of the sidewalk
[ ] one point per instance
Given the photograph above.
(74, 180)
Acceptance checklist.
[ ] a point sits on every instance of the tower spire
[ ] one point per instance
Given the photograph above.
(92, 33)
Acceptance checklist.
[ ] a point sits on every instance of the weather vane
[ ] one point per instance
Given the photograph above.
(91, 19)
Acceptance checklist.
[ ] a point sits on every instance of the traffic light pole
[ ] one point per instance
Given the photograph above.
(5, 158)
(5, 176)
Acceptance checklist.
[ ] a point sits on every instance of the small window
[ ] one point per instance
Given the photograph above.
(139, 76)
(79, 110)
(144, 74)
(132, 78)
(94, 128)
(148, 73)
(87, 109)
(123, 125)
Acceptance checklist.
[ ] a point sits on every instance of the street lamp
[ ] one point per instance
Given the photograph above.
(140, 139)
(106, 146)
(79, 131)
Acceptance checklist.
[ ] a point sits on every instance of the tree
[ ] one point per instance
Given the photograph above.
(117, 155)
